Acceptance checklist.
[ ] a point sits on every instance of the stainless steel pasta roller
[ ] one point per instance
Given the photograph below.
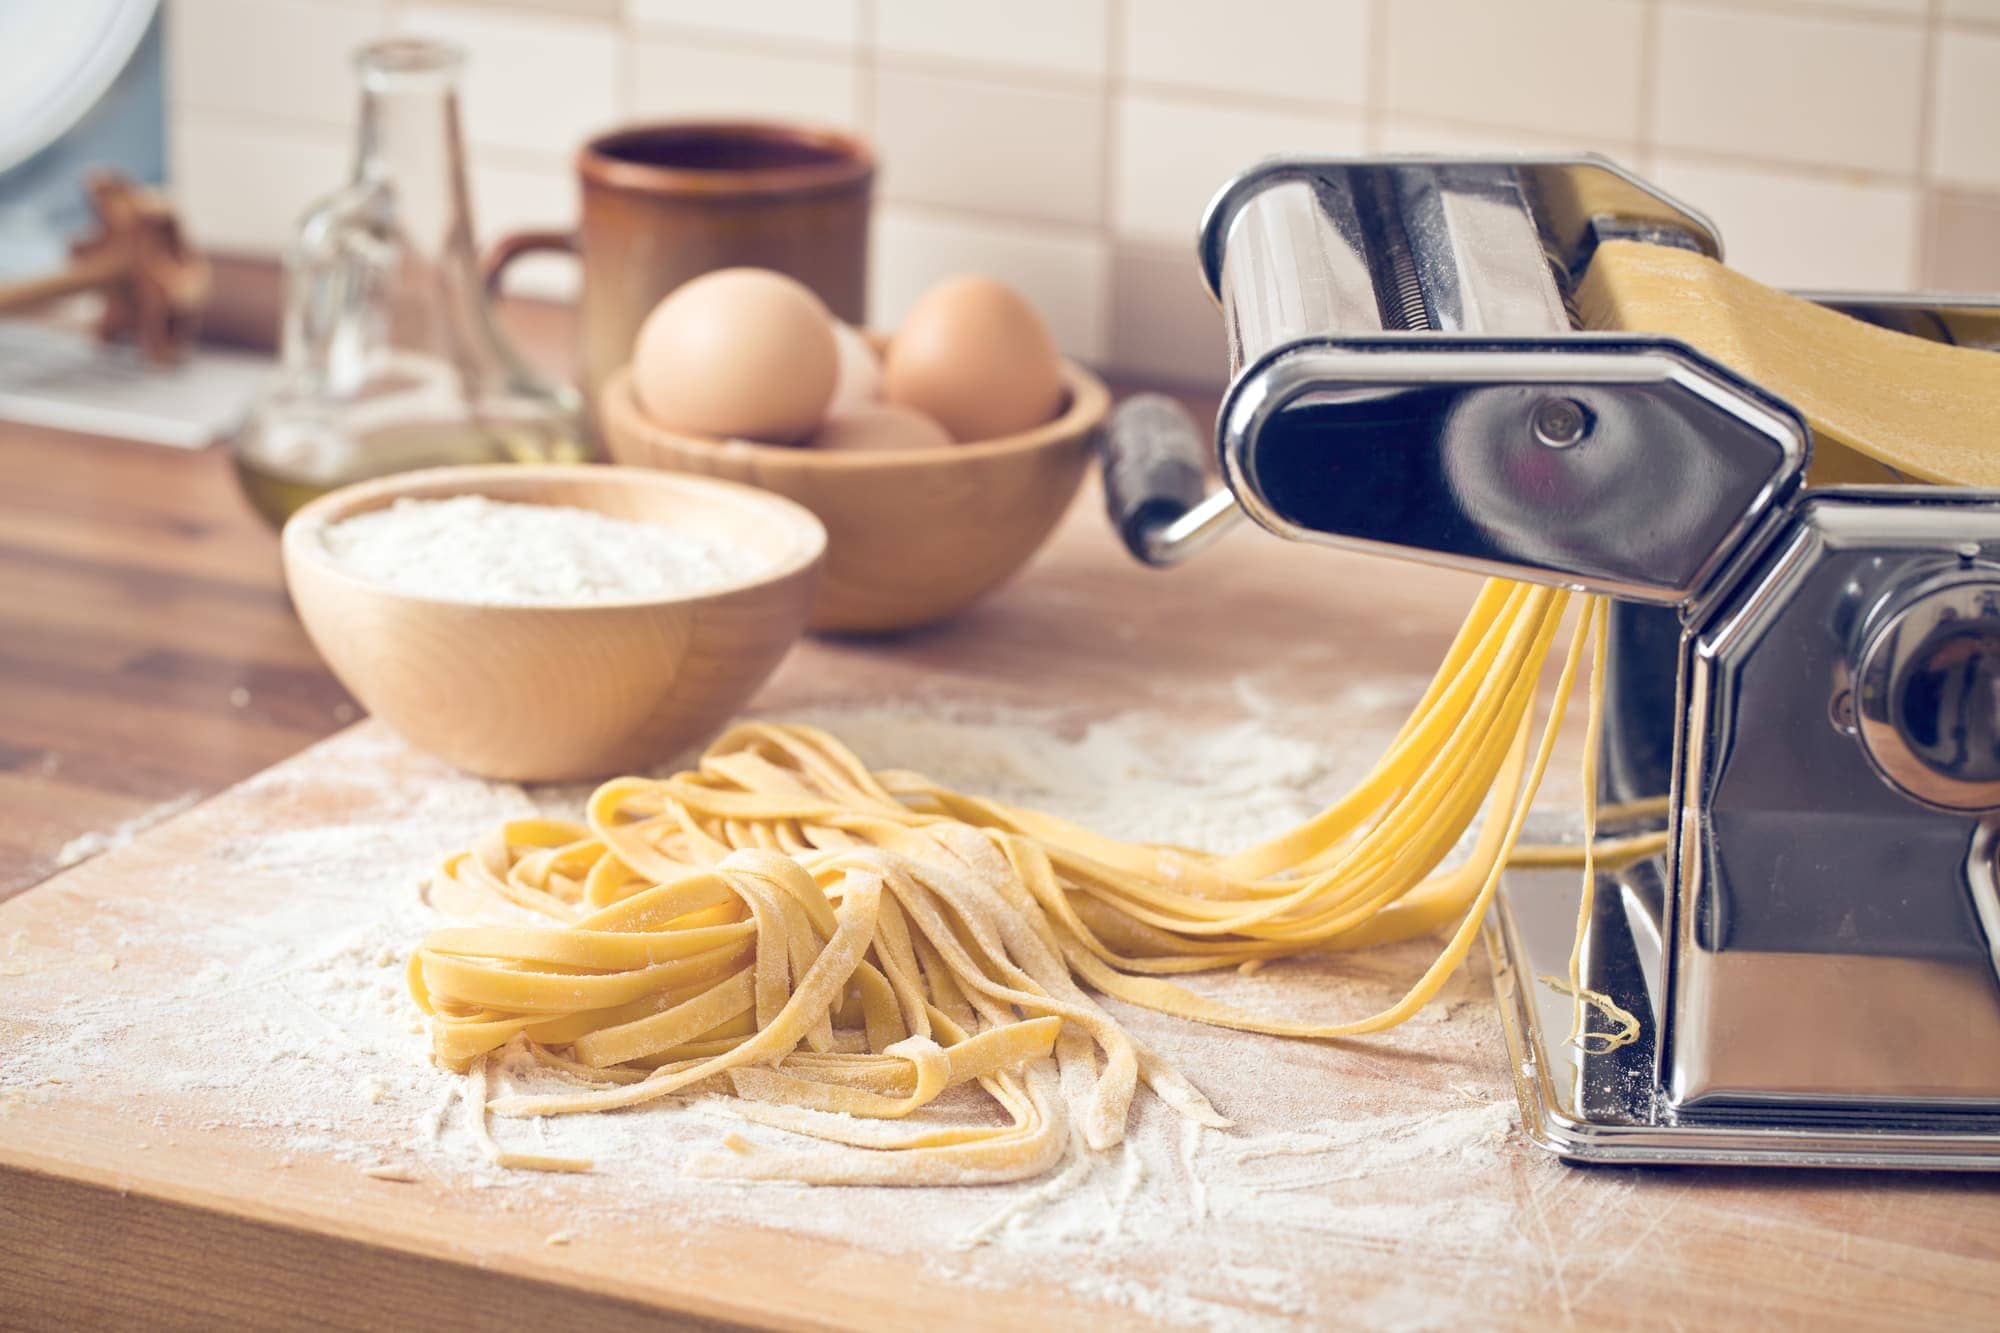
(1804, 683)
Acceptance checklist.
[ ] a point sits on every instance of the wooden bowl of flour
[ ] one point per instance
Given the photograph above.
(913, 535)
(557, 675)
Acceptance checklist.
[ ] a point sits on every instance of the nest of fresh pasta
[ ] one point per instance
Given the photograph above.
(832, 949)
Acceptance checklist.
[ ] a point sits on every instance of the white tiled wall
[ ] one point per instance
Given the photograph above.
(1965, 102)
(1069, 145)
(1055, 36)
(212, 38)
(1566, 66)
(532, 84)
(1813, 89)
(1312, 51)
(1172, 155)
(242, 183)
(671, 78)
(1041, 154)
(1774, 215)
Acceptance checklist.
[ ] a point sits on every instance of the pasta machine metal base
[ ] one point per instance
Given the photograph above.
(1803, 686)
(1607, 1108)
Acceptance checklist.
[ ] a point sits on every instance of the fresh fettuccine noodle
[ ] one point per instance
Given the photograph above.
(837, 947)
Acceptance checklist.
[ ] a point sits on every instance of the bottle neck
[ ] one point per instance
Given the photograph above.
(410, 148)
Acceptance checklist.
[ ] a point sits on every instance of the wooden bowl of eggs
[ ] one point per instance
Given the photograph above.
(552, 623)
(939, 459)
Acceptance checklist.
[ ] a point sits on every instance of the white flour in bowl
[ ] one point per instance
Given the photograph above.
(472, 549)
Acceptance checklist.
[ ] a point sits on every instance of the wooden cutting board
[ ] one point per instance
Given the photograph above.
(128, 1195)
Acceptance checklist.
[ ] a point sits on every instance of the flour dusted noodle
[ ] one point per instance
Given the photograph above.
(834, 948)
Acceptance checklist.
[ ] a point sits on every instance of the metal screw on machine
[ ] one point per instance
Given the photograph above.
(1927, 691)
(1561, 422)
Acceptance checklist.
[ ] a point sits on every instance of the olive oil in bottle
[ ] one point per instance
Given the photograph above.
(390, 356)
(278, 481)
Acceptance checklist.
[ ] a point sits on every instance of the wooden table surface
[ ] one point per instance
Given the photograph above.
(148, 655)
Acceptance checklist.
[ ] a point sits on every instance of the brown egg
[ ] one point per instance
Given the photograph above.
(740, 353)
(973, 354)
(859, 381)
(881, 426)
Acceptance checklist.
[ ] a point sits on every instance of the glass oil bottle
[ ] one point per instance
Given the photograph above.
(390, 359)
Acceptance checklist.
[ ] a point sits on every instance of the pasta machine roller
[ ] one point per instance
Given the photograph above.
(1803, 687)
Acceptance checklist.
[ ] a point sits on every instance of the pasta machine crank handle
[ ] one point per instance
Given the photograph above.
(1155, 488)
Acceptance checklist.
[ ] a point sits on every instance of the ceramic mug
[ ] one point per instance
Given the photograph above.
(667, 202)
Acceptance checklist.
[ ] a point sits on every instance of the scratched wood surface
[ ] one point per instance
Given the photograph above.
(148, 656)
(209, 1222)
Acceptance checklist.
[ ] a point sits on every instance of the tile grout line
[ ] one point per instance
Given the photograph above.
(866, 65)
(748, 43)
(265, 122)
(1371, 108)
(1969, 23)
(1025, 77)
(1375, 94)
(541, 159)
(627, 92)
(535, 159)
(1649, 85)
(1923, 260)
(1825, 173)
(1027, 225)
(1368, 107)
(1115, 19)
(867, 47)
(1806, 12)
(1245, 100)
(772, 44)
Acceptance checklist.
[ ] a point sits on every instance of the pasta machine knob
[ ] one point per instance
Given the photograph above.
(1927, 691)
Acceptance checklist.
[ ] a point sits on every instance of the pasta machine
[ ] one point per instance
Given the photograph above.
(1803, 686)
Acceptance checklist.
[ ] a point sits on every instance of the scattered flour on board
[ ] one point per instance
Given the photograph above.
(296, 1026)
(472, 549)
(86, 845)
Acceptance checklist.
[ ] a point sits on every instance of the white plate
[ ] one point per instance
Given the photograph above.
(60, 56)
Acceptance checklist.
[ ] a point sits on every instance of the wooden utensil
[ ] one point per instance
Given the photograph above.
(667, 202)
(153, 282)
(914, 535)
(557, 693)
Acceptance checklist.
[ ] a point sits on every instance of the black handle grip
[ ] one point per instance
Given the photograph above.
(1152, 468)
